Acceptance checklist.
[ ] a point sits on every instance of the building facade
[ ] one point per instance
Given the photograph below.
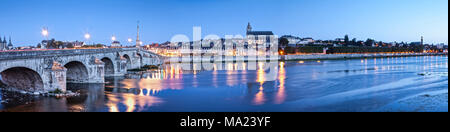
(260, 42)
(116, 44)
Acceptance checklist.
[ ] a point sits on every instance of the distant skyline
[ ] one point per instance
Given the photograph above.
(160, 20)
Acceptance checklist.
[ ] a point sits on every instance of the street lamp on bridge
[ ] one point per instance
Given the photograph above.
(87, 36)
(45, 32)
(113, 38)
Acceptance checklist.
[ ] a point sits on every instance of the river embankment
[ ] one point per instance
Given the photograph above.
(353, 56)
(200, 59)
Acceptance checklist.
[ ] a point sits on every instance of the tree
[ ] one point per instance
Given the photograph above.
(346, 40)
(283, 42)
(354, 42)
(70, 45)
(99, 45)
(39, 45)
(51, 44)
(369, 42)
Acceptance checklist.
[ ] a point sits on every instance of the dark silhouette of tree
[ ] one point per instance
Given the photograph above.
(369, 42)
(39, 45)
(283, 42)
(354, 42)
(346, 40)
(70, 45)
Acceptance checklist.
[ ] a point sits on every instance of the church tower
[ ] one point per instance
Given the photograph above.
(10, 45)
(138, 41)
(249, 28)
(4, 43)
(1, 44)
(421, 40)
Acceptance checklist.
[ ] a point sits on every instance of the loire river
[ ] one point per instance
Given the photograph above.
(330, 85)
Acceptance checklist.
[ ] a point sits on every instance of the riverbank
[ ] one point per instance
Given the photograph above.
(353, 56)
(200, 59)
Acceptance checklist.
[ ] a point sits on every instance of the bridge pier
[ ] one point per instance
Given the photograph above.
(54, 78)
(121, 66)
(97, 71)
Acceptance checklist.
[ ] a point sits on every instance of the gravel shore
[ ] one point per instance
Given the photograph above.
(427, 102)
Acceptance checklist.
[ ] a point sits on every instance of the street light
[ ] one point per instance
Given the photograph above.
(113, 38)
(87, 36)
(45, 32)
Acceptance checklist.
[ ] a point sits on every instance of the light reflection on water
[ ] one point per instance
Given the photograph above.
(262, 86)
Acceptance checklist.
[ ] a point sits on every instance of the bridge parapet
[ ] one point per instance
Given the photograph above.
(65, 52)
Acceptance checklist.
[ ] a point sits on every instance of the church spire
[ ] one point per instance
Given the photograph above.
(249, 27)
(10, 44)
(1, 44)
(138, 41)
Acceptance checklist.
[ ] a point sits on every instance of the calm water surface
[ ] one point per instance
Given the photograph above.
(332, 85)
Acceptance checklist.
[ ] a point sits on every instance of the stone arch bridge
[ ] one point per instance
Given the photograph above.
(48, 70)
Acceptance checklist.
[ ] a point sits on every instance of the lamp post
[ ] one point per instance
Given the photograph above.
(113, 38)
(45, 34)
(87, 36)
(130, 40)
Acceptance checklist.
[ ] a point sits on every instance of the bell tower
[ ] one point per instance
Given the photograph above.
(249, 28)
(138, 41)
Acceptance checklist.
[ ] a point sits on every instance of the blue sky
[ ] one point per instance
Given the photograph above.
(68, 20)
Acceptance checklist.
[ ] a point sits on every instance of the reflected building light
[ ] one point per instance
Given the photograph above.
(281, 94)
(261, 73)
(112, 103)
(130, 102)
(113, 108)
(141, 92)
(259, 98)
(229, 67)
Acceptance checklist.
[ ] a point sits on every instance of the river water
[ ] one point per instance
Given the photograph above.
(326, 85)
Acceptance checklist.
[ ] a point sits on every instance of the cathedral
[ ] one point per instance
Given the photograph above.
(4, 45)
(255, 38)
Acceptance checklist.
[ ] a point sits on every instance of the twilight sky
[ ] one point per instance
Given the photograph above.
(69, 20)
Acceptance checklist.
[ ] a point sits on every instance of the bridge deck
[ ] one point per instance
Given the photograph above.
(8, 55)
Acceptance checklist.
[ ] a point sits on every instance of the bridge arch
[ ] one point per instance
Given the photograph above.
(22, 78)
(126, 56)
(77, 72)
(109, 66)
(140, 59)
